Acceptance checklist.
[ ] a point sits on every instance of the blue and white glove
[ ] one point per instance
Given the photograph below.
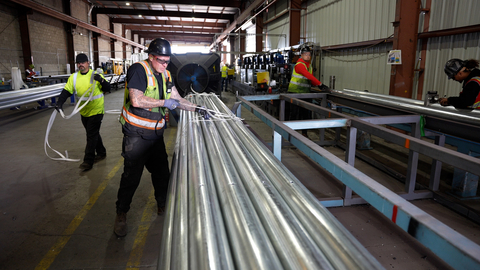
(171, 103)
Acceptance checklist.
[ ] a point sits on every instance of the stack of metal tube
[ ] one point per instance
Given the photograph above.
(233, 205)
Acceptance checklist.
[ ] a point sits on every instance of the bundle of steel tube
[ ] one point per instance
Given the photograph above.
(19, 97)
(233, 205)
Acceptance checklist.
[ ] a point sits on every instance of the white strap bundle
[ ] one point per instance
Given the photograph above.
(52, 119)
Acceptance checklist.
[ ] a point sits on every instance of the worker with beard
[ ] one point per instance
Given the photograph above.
(87, 80)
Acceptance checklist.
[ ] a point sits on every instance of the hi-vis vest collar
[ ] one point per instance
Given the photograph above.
(92, 87)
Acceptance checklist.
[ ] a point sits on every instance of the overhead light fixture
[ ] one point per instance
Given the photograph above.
(128, 4)
(139, 15)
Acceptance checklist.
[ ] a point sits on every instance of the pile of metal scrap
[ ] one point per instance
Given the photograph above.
(233, 205)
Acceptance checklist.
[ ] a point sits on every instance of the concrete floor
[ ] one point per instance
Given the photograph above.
(53, 216)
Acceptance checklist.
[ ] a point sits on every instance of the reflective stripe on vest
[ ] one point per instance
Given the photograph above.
(298, 82)
(476, 104)
(150, 77)
(141, 122)
(91, 82)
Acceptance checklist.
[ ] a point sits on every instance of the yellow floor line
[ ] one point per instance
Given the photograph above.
(136, 254)
(57, 248)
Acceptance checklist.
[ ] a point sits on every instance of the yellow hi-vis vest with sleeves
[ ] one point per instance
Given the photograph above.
(79, 84)
(300, 83)
(149, 119)
(224, 71)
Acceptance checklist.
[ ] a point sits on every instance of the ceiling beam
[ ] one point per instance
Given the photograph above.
(63, 17)
(217, 3)
(240, 19)
(180, 38)
(148, 12)
(160, 34)
(165, 22)
(175, 29)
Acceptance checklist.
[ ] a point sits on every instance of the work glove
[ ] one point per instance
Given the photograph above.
(98, 78)
(324, 88)
(58, 107)
(171, 103)
(203, 112)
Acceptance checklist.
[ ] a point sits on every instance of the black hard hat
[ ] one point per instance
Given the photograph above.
(306, 49)
(453, 66)
(159, 46)
(81, 58)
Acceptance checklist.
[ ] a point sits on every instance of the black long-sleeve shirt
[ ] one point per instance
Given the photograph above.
(469, 93)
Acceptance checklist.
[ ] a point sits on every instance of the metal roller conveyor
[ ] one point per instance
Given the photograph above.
(19, 97)
(233, 205)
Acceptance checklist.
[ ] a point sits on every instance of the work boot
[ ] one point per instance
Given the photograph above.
(99, 157)
(120, 228)
(86, 166)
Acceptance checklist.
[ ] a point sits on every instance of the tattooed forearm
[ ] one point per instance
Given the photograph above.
(184, 104)
(139, 100)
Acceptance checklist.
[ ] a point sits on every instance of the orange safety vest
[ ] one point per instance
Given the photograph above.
(476, 104)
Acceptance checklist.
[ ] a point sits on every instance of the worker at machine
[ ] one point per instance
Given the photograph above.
(30, 72)
(465, 72)
(149, 91)
(92, 114)
(224, 77)
(301, 82)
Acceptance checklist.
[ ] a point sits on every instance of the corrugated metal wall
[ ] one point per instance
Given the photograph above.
(349, 21)
(335, 22)
(446, 14)
(250, 39)
(279, 26)
(355, 69)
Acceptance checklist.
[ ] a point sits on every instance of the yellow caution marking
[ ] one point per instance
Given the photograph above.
(136, 254)
(57, 248)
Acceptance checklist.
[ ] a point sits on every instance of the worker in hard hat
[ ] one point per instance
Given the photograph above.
(301, 82)
(149, 92)
(224, 77)
(86, 80)
(467, 73)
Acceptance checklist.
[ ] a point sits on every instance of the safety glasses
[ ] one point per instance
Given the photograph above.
(161, 61)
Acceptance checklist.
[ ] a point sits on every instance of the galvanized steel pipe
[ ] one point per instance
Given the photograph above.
(19, 97)
(471, 117)
(245, 209)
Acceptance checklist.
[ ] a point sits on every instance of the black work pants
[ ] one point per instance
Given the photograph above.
(139, 153)
(94, 140)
